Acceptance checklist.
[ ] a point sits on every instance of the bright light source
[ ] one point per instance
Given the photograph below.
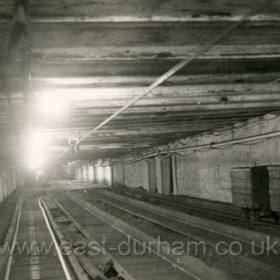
(36, 150)
(35, 162)
(50, 105)
(40, 173)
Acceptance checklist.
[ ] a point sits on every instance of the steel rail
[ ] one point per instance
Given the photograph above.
(10, 260)
(119, 229)
(59, 253)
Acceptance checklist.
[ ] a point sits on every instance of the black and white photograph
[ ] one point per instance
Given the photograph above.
(139, 139)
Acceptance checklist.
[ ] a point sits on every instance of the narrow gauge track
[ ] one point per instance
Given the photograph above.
(259, 267)
(52, 222)
(30, 235)
(28, 251)
(221, 213)
(155, 217)
(196, 203)
(125, 206)
(141, 264)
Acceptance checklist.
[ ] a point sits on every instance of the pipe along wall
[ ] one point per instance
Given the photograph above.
(204, 173)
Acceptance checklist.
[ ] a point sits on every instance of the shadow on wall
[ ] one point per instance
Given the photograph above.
(256, 191)
(10, 179)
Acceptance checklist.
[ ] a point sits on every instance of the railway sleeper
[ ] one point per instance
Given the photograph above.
(98, 267)
(254, 264)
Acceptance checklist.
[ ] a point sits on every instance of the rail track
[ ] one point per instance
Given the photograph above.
(143, 263)
(31, 248)
(87, 237)
(219, 212)
(27, 252)
(40, 224)
(259, 230)
(170, 229)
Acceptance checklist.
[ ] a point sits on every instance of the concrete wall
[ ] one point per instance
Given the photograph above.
(89, 172)
(137, 175)
(132, 175)
(206, 173)
(10, 179)
(3, 188)
(118, 172)
(152, 175)
(82, 172)
(166, 175)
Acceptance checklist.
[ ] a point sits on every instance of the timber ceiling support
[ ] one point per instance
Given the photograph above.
(174, 70)
(104, 63)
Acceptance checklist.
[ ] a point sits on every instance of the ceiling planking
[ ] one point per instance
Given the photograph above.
(138, 8)
(98, 55)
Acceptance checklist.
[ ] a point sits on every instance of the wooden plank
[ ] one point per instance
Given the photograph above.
(140, 9)
(149, 68)
(172, 101)
(188, 108)
(127, 53)
(141, 81)
(146, 130)
(166, 105)
(114, 87)
(131, 40)
(81, 123)
(122, 94)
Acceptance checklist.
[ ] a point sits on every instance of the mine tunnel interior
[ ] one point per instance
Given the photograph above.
(139, 139)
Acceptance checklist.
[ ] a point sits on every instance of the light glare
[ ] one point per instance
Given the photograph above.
(50, 106)
(36, 150)
(100, 173)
